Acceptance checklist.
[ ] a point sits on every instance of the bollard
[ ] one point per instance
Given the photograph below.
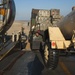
(12, 37)
(17, 36)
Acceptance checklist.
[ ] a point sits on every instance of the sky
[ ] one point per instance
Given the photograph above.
(24, 7)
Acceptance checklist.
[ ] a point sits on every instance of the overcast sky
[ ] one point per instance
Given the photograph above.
(24, 7)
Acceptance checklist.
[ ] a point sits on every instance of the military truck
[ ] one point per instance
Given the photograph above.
(41, 21)
(53, 34)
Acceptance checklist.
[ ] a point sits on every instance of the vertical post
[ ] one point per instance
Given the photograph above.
(17, 38)
(12, 37)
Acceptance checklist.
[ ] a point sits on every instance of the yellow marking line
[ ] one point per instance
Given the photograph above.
(65, 69)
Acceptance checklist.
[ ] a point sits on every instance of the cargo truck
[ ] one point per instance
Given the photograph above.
(49, 37)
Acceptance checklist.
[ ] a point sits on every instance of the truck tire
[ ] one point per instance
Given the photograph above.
(50, 56)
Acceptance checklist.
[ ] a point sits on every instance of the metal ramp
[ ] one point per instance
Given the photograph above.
(7, 48)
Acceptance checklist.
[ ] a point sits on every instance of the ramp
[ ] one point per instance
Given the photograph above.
(8, 47)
